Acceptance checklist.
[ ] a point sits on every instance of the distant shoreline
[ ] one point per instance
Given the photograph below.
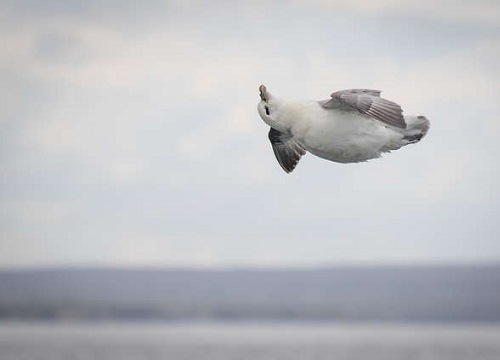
(394, 294)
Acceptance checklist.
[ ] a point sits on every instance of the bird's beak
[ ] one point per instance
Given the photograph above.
(263, 93)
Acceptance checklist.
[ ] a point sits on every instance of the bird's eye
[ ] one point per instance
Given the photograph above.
(267, 110)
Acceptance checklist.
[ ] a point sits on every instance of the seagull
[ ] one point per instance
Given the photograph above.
(352, 126)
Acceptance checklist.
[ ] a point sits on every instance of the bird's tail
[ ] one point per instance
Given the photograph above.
(416, 128)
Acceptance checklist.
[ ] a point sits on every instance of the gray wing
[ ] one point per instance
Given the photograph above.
(367, 102)
(287, 151)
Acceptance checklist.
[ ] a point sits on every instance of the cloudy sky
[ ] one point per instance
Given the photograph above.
(129, 133)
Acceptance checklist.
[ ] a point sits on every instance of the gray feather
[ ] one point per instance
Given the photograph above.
(287, 151)
(367, 102)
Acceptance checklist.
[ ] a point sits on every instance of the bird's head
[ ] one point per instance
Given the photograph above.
(265, 106)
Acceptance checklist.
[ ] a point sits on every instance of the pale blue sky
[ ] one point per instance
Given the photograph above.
(129, 133)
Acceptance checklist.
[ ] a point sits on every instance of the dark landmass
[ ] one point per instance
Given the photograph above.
(406, 294)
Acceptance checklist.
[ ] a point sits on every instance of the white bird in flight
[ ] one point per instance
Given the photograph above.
(352, 126)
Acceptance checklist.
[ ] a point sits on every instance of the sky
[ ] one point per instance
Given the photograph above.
(129, 134)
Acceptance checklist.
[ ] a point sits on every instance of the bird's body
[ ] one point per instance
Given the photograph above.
(353, 126)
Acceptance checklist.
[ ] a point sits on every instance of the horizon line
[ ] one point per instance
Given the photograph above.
(250, 267)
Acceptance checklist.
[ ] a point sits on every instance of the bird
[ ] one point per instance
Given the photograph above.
(352, 126)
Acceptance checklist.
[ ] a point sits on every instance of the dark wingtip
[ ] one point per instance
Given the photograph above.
(286, 150)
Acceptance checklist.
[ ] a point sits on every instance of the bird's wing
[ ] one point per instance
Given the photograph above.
(286, 149)
(367, 102)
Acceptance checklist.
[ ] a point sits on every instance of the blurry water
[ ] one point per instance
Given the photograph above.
(57, 341)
